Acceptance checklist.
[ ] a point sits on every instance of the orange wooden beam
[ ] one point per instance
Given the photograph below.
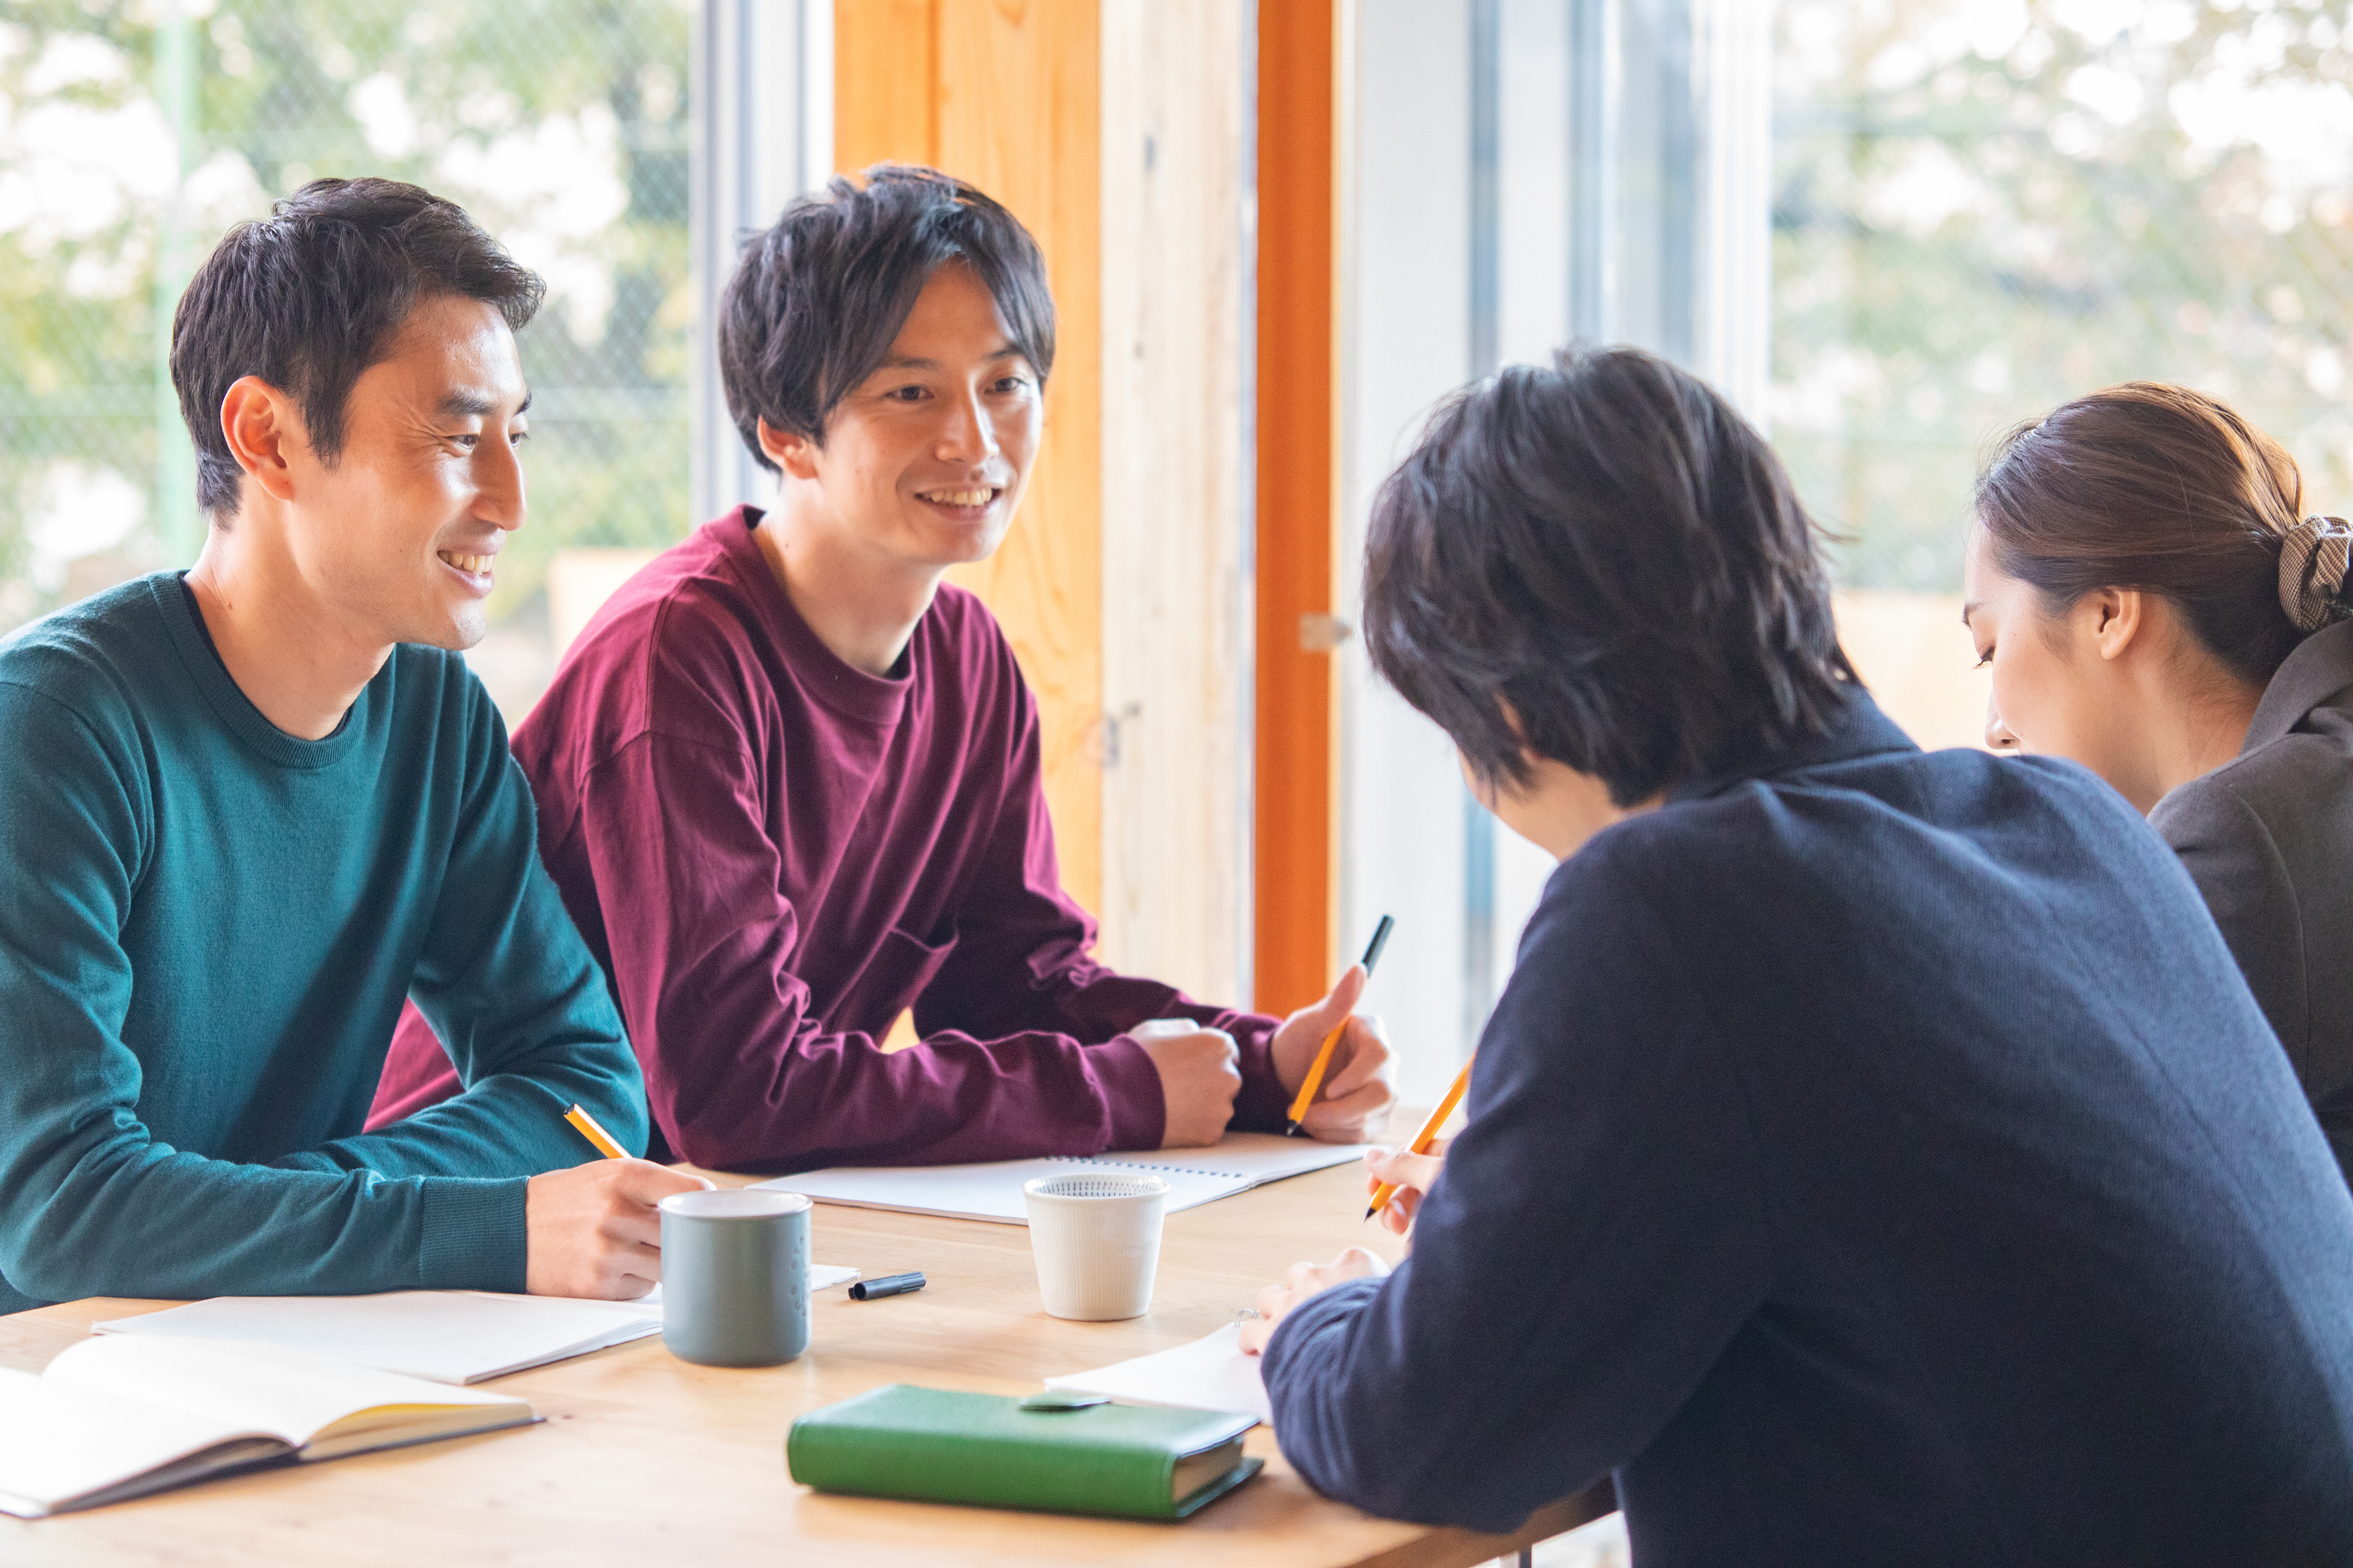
(886, 82)
(1007, 94)
(1296, 777)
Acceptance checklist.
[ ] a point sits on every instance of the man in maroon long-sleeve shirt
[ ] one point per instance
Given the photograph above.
(789, 779)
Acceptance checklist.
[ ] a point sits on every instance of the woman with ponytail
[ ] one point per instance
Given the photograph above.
(2156, 605)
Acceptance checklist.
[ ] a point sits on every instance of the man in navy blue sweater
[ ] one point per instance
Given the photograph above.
(1876, 1156)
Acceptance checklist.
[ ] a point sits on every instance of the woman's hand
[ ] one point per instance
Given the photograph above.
(1305, 1279)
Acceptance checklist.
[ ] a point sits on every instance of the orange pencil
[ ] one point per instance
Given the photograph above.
(588, 1129)
(1427, 1136)
(1324, 1057)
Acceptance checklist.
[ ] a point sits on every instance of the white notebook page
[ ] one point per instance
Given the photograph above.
(448, 1336)
(290, 1393)
(58, 1443)
(990, 1192)
(1210, 1373)
(821, 1277)
(1260, 1157)
(116, 1409)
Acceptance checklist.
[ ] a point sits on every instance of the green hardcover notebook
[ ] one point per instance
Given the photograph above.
(933, 1445)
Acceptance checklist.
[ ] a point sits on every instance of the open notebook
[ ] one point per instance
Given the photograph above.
(119, 1418)
(1235, 1164)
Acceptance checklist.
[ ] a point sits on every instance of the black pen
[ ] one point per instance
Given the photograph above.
(889, 1285)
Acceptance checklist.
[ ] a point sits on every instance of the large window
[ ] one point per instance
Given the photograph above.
(1984, 207)
(131, 135)
(1890, 229)
(1524, 170)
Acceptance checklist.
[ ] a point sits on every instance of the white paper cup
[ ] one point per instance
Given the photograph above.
(1096, 1240)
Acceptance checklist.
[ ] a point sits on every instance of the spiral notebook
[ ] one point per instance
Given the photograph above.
(1235, 1164)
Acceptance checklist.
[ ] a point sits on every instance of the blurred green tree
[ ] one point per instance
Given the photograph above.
(1984, 207)
(133, 133)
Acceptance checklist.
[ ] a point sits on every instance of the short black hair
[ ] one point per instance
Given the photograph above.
(1605, 545)
(310, 297)
(817, 300)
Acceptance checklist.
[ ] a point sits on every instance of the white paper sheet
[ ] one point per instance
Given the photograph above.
(1211, 1374)
(822, 1276)
(448, 1336)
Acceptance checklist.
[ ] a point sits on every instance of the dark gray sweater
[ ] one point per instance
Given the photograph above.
(2268, 838)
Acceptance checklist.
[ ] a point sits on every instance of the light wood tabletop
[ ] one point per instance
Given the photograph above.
(645, 1459)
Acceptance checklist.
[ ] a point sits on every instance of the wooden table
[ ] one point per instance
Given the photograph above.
(646, 1460)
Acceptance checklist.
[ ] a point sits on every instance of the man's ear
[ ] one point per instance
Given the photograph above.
(796, 454)
(2114, 617)
(263, 431)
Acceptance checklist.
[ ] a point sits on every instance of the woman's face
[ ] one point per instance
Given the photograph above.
(2052, 692)
(2116, 682)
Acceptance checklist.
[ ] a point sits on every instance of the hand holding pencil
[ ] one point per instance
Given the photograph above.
(1409, 1172)
(1365, 1065)
(1407, 1177)
(593, 1229)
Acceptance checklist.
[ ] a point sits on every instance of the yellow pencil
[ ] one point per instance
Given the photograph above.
(596, 1134)
(1427, 1135)
(1324, 1057)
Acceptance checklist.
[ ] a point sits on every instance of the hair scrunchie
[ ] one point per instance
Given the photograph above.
(2313, 555)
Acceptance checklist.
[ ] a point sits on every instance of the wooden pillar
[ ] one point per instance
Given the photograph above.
(1176, 590)
(1007, 94)
(1296, 778)
(1114, 128)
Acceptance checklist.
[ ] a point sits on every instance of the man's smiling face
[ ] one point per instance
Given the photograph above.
(400, 536)
(925, 461)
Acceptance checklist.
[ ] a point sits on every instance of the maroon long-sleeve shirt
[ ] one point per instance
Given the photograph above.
(773, 854)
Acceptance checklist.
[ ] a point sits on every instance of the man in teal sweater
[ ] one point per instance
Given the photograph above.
(246, 811)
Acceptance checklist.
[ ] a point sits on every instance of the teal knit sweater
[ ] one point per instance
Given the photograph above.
(207, 930)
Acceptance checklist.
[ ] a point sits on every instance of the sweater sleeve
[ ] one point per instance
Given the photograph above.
(506, 980)
(1596, 1238)
(1022, 960)
(96, 1205)
(741, 1073)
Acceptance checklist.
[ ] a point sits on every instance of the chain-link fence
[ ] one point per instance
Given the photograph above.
(1984, 207)
(133, 133)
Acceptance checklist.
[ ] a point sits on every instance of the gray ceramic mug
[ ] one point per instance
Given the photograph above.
(736, 1277)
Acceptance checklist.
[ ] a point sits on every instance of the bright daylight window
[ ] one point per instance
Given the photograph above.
(1984, 207)
(133, 133)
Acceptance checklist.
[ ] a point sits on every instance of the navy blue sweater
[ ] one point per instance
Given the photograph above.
(1876, 1157)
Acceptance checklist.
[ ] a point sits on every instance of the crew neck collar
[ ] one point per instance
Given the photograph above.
(1862, 731)
(192, 640)
(831, 680)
